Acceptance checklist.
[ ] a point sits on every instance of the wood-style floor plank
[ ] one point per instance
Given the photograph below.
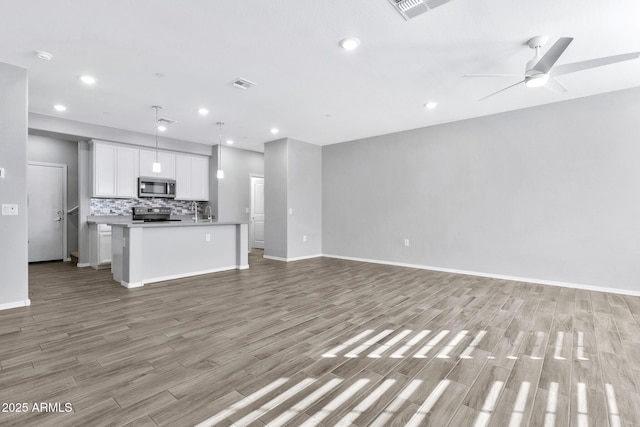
(317, 342)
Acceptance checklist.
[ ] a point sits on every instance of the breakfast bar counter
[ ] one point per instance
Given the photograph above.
(152, 252)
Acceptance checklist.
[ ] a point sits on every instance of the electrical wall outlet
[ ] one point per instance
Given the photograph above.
(2, 173)
(246, 210)
(406, 242)
(8, 209)
(207, 237)
(304, 237)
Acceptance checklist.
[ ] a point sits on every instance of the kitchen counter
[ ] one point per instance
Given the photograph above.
(151, 252)
(126, 221)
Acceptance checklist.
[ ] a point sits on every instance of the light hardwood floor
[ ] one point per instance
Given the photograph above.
(318, 342)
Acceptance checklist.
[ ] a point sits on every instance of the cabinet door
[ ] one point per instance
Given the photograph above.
(200, 178)
(104, 244)
(104, 170)
(127, 172)
(167, 161)
(183, 177)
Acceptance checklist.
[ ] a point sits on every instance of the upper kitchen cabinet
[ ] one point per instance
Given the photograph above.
(167, 162)
(115, 170)
(192, 177)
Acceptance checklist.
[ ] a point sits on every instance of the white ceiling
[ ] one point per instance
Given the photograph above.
(307, 86)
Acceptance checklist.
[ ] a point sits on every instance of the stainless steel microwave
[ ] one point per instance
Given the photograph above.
(156, 187)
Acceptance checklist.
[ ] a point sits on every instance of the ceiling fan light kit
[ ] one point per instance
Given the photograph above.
(536, 80)
(541, 70)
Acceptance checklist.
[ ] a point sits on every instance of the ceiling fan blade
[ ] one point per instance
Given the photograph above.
(552, 55)
(554, 85)
(501, 90)
(493, 75)
(592, 63)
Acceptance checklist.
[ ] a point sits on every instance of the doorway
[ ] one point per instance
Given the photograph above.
(256, 226)
(46, 211)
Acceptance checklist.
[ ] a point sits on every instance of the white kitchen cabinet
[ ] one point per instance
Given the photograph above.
(192, 177)
(100, 236)
(115, 170)
(167, 162)
(127, 172)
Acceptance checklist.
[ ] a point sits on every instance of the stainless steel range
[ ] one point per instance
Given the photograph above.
(152, 214)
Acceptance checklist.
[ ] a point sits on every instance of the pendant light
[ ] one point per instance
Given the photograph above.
(156, 167)
(220, 173)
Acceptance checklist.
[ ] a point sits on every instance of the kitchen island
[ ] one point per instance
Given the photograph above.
(152, 252)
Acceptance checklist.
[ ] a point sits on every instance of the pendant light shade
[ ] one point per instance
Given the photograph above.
(156, 167)
(220, 173)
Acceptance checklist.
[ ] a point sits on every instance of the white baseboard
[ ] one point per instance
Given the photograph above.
(243, 267)
(494, 276)
(275, 258)
(15, 304)
(83, 264)
(131, 285)
(177, 276)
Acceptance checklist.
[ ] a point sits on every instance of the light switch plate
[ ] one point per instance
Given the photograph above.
(8, 209)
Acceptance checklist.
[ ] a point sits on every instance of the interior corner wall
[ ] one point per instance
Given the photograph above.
(213, 182)
(549, 193)
(85, 183)
(14, 289)
(304, 199)
(275, 199)
(234, 190)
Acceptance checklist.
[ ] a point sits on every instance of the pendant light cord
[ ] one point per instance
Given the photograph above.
(156, 108)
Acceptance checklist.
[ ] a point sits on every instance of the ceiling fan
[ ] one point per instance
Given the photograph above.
(542, 71)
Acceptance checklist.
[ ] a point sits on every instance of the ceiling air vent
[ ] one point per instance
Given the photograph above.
(241, 83)
(412, 8)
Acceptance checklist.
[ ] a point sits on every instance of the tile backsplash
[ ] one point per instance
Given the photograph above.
(123, 206)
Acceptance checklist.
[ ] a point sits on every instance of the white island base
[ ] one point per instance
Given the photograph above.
(147, 253)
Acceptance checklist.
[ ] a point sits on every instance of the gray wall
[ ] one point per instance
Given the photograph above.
(14, 288)
(213, 182)
(293, 199)
(234, 191)
(548, 193)
(84, 200)
(79, 131)
(275, 198)
(304, 198)
(54, 150)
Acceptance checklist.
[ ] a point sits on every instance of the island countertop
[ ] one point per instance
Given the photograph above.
(126, 221)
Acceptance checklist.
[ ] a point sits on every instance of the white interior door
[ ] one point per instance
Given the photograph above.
(47, 222)
(256, 230)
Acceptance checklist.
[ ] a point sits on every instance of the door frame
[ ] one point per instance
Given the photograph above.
(251, 210)
(65, 255)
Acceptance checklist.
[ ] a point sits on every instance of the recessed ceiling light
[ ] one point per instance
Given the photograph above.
(349, 43)
(230, 141)
(60, 107)
(43, 55)
(203, 111)
(88, 80)
(274, 130)
(162, 128)
(431, 105)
